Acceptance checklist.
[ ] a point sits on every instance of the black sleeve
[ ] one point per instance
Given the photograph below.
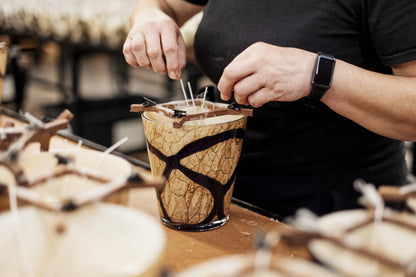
(392, 26)
(197, 2)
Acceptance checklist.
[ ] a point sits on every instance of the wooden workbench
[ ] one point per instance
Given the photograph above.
(185, 249)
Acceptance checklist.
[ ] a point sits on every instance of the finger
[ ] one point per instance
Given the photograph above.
(259, 98)
(170, 47)
(246, 86)
(242, 100)
(138, 48)
(128, 53)
(154, 52)
(233, 73)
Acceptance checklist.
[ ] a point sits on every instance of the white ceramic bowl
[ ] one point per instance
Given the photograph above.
(236, 265)
(102, 240)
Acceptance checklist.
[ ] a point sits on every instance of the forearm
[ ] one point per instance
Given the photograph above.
(384, 104)
(178, 10)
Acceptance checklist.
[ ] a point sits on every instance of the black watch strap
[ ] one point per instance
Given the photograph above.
(321, 78)
(317, 92)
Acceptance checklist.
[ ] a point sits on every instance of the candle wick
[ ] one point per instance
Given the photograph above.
(79, 144)
(109, 150)
(192, 95)
(18, 231)
(205, 95)
(184, 92)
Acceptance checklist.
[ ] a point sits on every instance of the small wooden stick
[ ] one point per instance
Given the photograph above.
(300, 237)
(390, 217)
(392, 193)
(275, 267)
(107, 188)
(25, 191)
(180, 117)
(44, 135)
(8, 124)
(31, 197)
(7, 136)
(63, 171)
(41, 134)
(305, 237)
(94, 195)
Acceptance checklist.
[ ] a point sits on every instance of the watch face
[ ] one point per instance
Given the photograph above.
(323, 73)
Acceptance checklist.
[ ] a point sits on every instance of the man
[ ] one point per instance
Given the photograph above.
(321, 121)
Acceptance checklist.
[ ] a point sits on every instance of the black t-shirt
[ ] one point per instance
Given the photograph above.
(295, 156)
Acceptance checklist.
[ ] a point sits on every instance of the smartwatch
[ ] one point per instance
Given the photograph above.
(321, 77)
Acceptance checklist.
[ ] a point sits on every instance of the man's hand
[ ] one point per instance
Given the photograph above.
(155, 42)
(265, 72)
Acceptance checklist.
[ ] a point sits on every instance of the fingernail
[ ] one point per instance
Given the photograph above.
(173, 75)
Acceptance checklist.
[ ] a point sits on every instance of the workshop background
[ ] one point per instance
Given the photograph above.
(68, 54)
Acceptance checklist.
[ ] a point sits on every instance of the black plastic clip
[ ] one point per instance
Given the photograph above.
(69, 206)
(135, 177)
(63, 159)
(260, 241)
(47, 119)
(234, 106)
(179, 113)
(148, 103)
(14, 155)
(3, 187)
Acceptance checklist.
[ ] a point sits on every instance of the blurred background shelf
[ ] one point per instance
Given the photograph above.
(101, 104)
(68, 54)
